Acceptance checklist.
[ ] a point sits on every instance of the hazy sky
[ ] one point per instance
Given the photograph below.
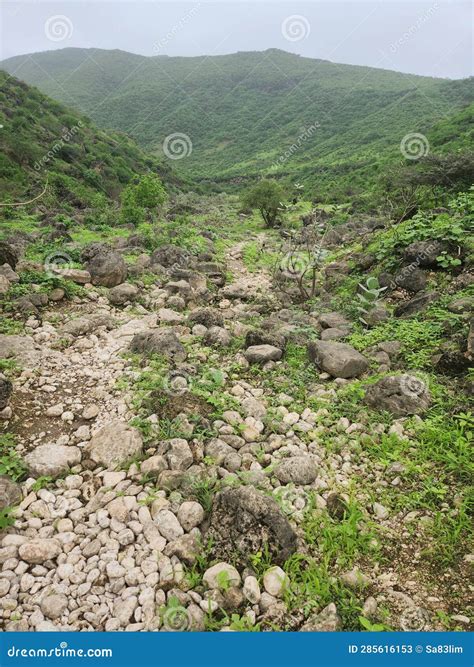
(432, 38)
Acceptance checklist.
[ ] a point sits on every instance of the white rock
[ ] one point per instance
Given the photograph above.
(380, 511)
(51, 460)
(5, 587)
(113, 478)
(251, 590)
(221, 575)
(115, 443)
(168, 525)
(53, 606)
(118, 509)
(40, 550)
(275, 581)
(190, 515)
(90, 412)
(153, 536)
(123, 609)
(55, 410)
(355, 578)
(115, 570)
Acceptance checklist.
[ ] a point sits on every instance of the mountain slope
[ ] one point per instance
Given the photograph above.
(252, 113)
(41, 140)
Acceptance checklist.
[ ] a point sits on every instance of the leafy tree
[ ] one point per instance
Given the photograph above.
(149, 192)
(140, 198)
(266, 195)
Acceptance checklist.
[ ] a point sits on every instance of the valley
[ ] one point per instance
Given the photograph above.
(234, 400)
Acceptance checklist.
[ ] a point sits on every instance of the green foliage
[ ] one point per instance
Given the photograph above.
(341, 542)
(10, 462)
(447, 261)
(262, 123)
(420, 336)
(266, 196)
(46, 145)
(437, 479)
(453, 227)
(140, 198)
(369, 296)
(10, 326)
(7, 517)
(42, 482)
(373, 627)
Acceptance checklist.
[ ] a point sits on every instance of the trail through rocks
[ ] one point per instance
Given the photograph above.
(120, 525)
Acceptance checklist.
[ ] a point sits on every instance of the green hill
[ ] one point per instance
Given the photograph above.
(252, 113)
(43, 141)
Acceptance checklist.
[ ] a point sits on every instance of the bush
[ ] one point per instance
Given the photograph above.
(267, 197)
(140, 198)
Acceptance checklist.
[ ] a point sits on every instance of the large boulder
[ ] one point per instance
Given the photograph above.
(334, 321)
(411, 279)
(208, 317)
(297, 470)
(260, 354)
(402, 395)
(337, 359)
(217, 336)
(177, 453)
(260, 337)
(170, 255)
(8, 254)
(7, 272)
(424, 253)
(238, 290)
(120, 294)
(416, 305)
(214, 272)
(106, 267)
(51, 460)
(327, 620)
(159, 341)
(4, 285)
(78, 276)
(6, 389)
(38, 551)
(115, 443)
(245, 521)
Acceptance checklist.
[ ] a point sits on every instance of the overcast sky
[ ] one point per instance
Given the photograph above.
(432, 38)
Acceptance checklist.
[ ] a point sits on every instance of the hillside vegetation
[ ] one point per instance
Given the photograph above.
(332, 127)
(42, 140)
